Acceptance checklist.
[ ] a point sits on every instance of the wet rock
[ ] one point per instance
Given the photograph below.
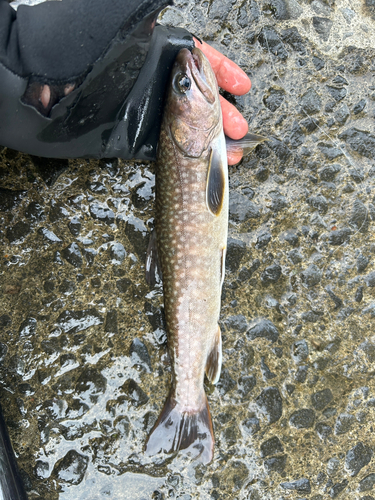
(123, 284)
(360, 141)
(357, 457)
(241, 208)
(367, 483)
(274, 99)
(321, 399)
(272, 446)
(270, 40)
(246, 384)
(357, 175)
(330, 151)
(110, 325)
(236, 249)
(67, 287)
(301, 374)
(270, 404)
(226, 382)
(237, 323)
(3, 352)
(318, 63)
(5, 320)
(275, 464)
(338, 488)
(139, 355)
(90, 384)
(18, 232)
(248, 14)
(76, 409)
(271, 274)
(344, 423)
(302, 419)
(309, 125)
(263, 239)
(323, 430)
(299, 351)
(311, 316)
(295, 256)
(292, 37)
(134, 394)
(76, 321)
(301, 486)
(319, 202)
(359, 217)
(342, 114)
(338, 93)
(27, 328)
(338, 302)
(322, 26)
(329, 172)
(279, 201)
(137, 234)
(74, 226)
(311, 276)
(72, 255)
(311, 102)
(359, 294)
(9, 199)
(266, 372)
(117, 253)
(72, 468)
(89, 254)
(359, 106)
(41, 469)
(251, 425)
(102, 213)
(362, 263)
(219, 9)
(296, 136)
(97, 187)
(262, 327)
(34, 212)
(339, 236)
(290, 236)
(57, 211)
(49, 236)
(370, 279)
(55, 409)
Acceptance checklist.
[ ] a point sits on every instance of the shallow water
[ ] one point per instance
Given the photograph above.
(293, 410)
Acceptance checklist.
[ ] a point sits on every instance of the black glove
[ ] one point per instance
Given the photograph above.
(85, 79)
(11, 487)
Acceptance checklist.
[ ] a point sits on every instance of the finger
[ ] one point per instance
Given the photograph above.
(234, 124)
(234, 158)
(230, 77)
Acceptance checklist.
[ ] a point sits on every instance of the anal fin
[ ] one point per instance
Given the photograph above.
(214, 360)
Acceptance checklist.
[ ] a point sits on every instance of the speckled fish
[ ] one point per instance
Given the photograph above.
(191, 238)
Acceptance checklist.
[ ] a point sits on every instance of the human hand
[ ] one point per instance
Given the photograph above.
(231, 78)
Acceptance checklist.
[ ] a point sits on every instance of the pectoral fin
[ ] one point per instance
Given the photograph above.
(214, 360)
(245, 145)
(153, 271)
(215, 188)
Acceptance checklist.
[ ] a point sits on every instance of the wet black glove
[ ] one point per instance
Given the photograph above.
(85, 78)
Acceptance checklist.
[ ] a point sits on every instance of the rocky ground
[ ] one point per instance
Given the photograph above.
(84, 369)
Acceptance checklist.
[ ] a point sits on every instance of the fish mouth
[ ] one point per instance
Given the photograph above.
(196, 65)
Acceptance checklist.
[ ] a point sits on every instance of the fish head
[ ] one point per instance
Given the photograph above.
(193, 112)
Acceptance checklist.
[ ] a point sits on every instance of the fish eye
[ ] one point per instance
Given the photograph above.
(182, 83)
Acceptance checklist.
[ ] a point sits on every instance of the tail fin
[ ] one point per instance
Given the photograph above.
(178, 430)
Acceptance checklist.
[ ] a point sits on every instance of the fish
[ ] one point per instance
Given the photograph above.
(188, 250)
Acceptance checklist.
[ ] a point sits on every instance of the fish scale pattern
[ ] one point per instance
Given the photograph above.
(190, 245)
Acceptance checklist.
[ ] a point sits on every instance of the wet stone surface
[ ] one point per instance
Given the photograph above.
(84, 369)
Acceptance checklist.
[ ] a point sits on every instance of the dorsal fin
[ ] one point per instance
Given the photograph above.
(215, 188)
